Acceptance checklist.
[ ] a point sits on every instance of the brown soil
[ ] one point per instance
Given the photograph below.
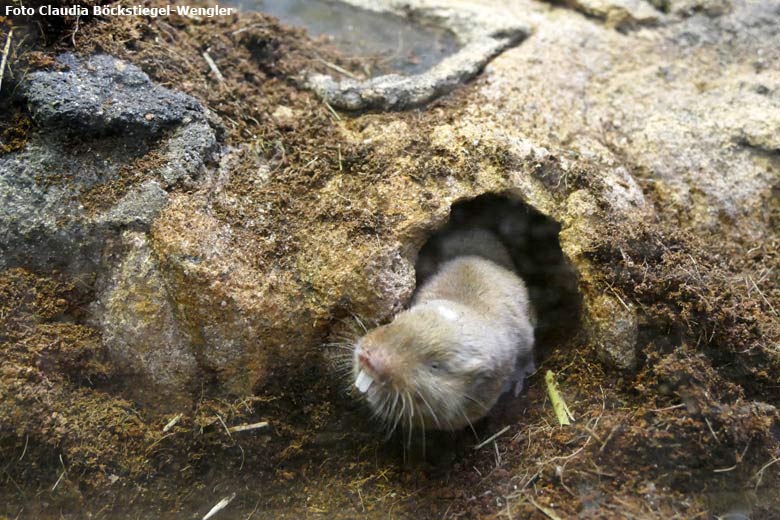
(681, 437)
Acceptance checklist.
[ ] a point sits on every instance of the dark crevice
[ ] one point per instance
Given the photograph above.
(533, 245)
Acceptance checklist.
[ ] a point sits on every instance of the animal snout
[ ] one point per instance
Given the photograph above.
(374, 362)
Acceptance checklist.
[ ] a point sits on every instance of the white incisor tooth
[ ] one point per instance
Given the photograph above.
(363, 382)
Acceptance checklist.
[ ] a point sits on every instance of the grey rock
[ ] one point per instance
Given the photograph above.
(42, 220)
(139, 326)
(482, 32)
(117, 113)
(104, 95)
(138, 208)
(689, 7)
(612, 326)
(391, 276)
(186, 153)
(620, 14)
(677, 121)
(97, 120)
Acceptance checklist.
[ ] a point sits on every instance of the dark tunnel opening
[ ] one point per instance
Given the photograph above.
(531, 239)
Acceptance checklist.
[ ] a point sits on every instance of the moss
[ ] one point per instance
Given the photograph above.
(644, 444)
(15, 132)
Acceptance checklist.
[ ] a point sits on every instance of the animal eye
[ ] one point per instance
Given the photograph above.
(435, 365)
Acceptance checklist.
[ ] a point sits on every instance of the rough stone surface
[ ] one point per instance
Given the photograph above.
(668, 104)
(483, 33)
(659, 113)
(138, 208)
(651, 151)
(42, 221)
(105, 95)
(140, 329)
(620, 14)
(186, 152)
(614, 329)
(66, 206)
(44, 188)
(626, 15)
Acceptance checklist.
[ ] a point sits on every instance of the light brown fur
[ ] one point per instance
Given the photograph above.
(443, 363)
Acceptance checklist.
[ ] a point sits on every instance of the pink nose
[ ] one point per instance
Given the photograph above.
(373, 361)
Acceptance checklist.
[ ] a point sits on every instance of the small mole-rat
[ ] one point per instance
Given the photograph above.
(466, 339)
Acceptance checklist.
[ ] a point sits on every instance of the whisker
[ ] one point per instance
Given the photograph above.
(396, 416)
(474, 400)
(365, 330)
(411, 421)
(463, 413)
(433, 414)
(422, 434)
(339, 346)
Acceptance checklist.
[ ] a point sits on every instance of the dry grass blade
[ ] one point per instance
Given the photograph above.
(340, 70)
(6, 52)
(213, 67)
(492, 437)
(545, 510)
(172, 423)
(222, 504)
(246, 427)
(562, 411)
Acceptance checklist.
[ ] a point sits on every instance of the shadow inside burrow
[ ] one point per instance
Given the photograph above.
(532, 241)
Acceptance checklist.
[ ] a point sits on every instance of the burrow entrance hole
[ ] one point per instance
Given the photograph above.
(531, 239)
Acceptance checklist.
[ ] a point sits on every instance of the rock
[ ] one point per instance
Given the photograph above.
(87, 208)
(686, 8)
(104, 95)
(42, 221)
(620, 14)
(243, 279)
(186, 153)
(55, 213)
(482, 32)
(612, 326)
(138, 208)
(140, 330)
(391, 279)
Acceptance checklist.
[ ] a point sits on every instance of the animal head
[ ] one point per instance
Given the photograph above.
(428, 368)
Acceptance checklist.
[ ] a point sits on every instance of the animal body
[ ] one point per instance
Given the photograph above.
(466, 339)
